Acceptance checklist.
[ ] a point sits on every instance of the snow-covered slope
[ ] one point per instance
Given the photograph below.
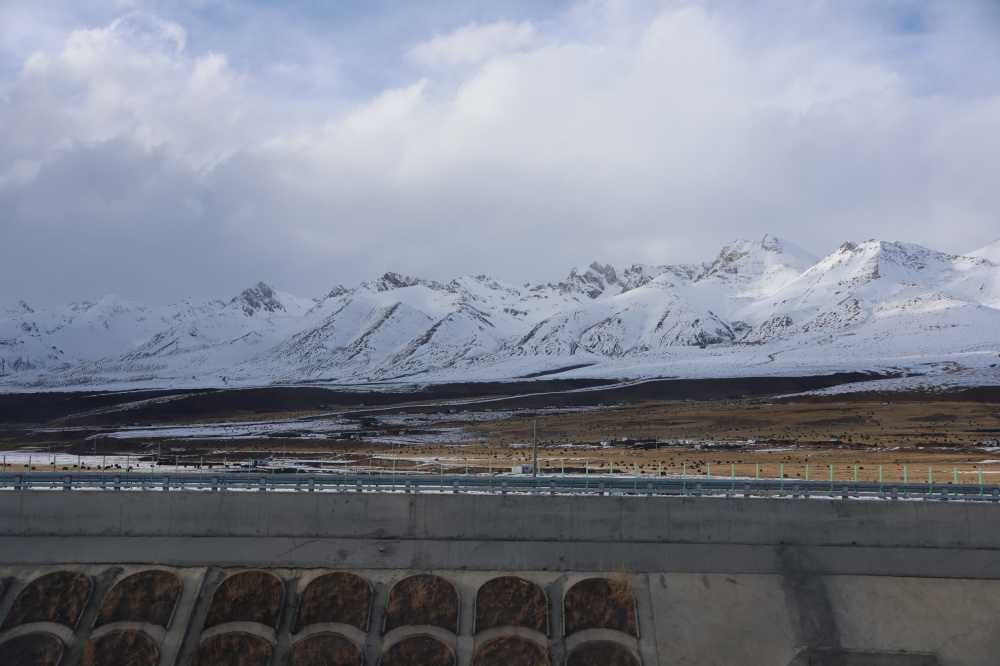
(762, 306)
(990, 252)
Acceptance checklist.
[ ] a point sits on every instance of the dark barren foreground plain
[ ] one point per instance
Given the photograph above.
(749, 426)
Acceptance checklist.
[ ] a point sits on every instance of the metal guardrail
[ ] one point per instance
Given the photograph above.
(494, 484)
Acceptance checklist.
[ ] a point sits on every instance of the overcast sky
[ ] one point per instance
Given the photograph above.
(173, 148)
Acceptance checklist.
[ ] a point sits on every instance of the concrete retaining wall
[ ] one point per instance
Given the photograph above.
(717, 581)
(912, 524)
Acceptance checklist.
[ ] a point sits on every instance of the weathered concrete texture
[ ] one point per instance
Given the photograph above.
(954, 619)
(489, 517)
(862, 658)
(716, 582)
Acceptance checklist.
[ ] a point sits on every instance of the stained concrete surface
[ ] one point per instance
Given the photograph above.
(716, 581)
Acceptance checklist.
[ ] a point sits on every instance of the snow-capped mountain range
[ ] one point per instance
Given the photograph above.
(758, 307)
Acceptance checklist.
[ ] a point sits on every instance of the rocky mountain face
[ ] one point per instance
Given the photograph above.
(753, 303)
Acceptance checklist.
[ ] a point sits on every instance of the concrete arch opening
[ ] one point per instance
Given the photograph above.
(248, 596)
(512, 601)
(145, 596)
(325, 649)
(58, 597)
(511, 651)
(38, 649)
(337, 597)
(600, 603)
(602, 653)
(128, 646)
(235, 647)
(424, 650)
(423, 599)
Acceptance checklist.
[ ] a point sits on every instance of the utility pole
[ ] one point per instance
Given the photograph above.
(534, 447)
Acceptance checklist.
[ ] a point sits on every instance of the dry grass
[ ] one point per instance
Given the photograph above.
(511, 651)
(325, 650)
(121, 648)
(335, 597)
(249, 596)
(422, 599)
(58, 597)
(908, 437)
(601, 653)
(233, 649)
(511, 601)
(418, 650)
(905, 422)
(38, 649)
(147, 596)
(601, 603)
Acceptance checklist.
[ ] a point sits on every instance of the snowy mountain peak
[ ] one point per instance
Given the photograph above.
(904, 261)
(337, 291)
(260, 297)
(390, 281)
(772, 243)
(756, 302)
(758, 267)
(593, 282)
(605, 271)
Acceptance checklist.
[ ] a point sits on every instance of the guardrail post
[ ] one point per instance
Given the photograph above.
(166, 484)
(262, 485)
(358, 487)
(312, 485)
(996, 495)
(454, 487)
(118, 483)
(746, 490)
(215, 484)
(67, 483)
(19, 483)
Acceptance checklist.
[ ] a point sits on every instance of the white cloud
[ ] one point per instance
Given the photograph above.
(474, 43)
(517, 149)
